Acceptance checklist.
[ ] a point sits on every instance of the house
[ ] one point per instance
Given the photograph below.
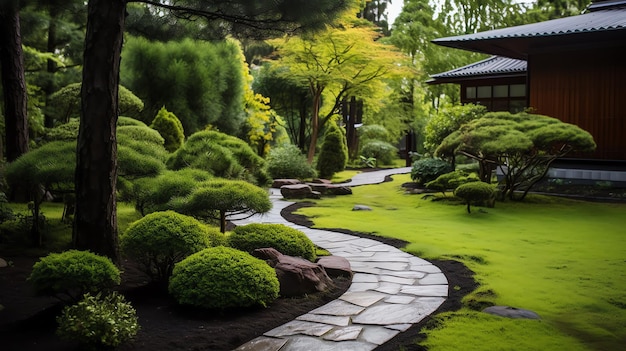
(575, 71)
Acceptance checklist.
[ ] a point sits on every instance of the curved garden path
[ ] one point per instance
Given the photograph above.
(391, 290)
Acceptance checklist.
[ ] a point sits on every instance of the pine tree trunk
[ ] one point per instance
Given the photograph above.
(95, 223)
(13, 81)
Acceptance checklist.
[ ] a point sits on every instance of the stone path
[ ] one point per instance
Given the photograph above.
(390, 291)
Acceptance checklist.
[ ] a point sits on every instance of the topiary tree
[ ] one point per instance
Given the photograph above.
(522, 145)
(428, 169)
(99, 322)
(451, 181)
(170, 128)
(287, 240)
(219, 199)
(73, 273)
(161, 239)
(474, 192)
(448, 120)
(154, 193)
(333, 156)
(223, 277)
(288, 161)
(65, 103)
(220, 154)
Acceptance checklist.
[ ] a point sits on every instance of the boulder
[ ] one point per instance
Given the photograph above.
(280, 182)
(299, 191)
(321, 181)
(511, 312)
(336, 266)
(296, 275)
(3, 263)
(336, 189)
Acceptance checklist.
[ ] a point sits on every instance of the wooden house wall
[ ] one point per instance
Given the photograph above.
(586, 88)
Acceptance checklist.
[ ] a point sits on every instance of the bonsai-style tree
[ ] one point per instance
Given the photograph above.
(219, 199)
(522, 145)
(475, 192)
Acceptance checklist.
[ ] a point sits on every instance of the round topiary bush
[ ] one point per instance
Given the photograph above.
(451, 181)
(287, 240)
(223, 277)
(427, 169)
(73, 273)
(99, 322)
(474, 192)
(161, 239)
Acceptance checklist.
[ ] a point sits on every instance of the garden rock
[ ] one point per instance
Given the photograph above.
(298, 191)
(296, 275)
(361, 208)
(278, 183)
(3, 263)
(330, 189)
(336, 266)
(511, 312)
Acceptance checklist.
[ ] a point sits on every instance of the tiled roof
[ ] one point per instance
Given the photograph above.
(602, 19)
(495, 65)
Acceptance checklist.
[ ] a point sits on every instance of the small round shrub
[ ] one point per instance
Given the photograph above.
(160, 239)
(73, 273)
(170, 128)
(427, 169)
(223, 277)
(382, 151)
(451, 181)
(98, 322)
(287, 240)
(288, 162)
(474, 192)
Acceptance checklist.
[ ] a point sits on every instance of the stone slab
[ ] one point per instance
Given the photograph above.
(434, 279)
(304, 343)
(400, 299)
(325, 319)
(338, 308)
(343, 334)
(388, 314)
(426, 290)
(263, 344)
(362, 298)
(299, 327)
(377, 335)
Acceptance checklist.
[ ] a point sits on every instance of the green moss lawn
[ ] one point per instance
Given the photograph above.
(564, 259)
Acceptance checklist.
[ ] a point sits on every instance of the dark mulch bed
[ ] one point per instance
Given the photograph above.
(27, 322)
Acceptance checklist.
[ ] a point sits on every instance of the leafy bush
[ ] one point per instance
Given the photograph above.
(287, 240)
(333, 156)
(98, 322)
(223, 277)
(474, 192)
(451, 181)
(73, 273)
(220, 154)
(170, 128)
(382, 151)
(373, 132)
(427, 169)
(288, 162)
(161, 239)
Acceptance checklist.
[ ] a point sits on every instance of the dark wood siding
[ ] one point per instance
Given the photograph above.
(586, 88)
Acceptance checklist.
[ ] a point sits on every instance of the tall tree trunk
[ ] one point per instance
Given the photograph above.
(315, 121)
(95, 223)
(13, 81)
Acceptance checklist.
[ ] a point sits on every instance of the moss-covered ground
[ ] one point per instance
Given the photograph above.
(563, 259)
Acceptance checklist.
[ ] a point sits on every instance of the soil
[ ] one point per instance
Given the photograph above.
(27, 322)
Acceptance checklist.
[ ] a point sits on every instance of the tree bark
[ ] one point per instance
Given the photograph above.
(95, 223)
(13, 81)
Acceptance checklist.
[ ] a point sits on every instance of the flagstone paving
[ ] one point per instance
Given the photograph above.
(390, 291)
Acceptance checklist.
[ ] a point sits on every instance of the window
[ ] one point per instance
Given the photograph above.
(501, 97)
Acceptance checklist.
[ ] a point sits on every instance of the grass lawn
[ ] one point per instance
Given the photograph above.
(564, 259)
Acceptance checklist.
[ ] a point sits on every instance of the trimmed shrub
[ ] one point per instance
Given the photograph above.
(170, 128)
(428, 169)
(288, 162)
(382, 151)
(287, 240)
(223, 277)
(98, 321)
(161, 239)
(451, 181)
(333, 156)
(73, 273)
(373, 132)
(474, 192)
